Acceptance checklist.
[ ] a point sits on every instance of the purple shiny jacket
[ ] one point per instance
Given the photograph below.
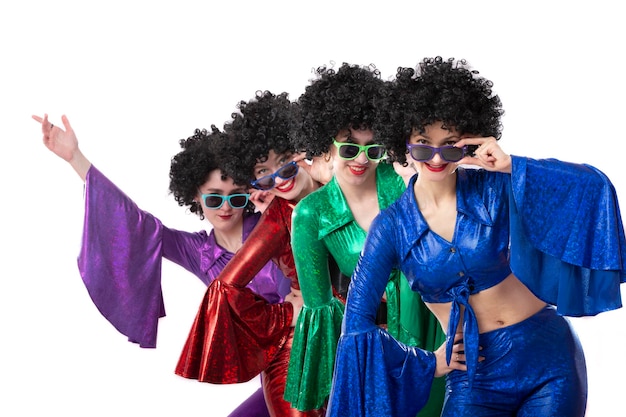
(121, 253)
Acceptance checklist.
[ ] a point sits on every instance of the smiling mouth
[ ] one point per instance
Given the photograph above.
(287, 186)
(437, 168)
(357, 170)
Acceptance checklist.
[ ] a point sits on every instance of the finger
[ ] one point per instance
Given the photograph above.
(304, 164)
(470, 141)
(299, 157)
(66, 123)
(457, 337)
(37, 118)
(46, 126)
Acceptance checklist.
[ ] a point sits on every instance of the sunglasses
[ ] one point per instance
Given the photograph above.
(215, 201)
(350, 151)
(450, 153)
(268, 182)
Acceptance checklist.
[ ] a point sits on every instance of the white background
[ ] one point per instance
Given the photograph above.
(134, 77)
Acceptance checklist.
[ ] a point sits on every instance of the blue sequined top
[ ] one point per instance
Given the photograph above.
(555, 225)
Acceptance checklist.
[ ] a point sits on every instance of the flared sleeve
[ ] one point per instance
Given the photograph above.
(319, 323)
(120, 260)
(236, 333)
(375, 374)
(567, 236)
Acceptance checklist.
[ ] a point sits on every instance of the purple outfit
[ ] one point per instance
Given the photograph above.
(120, 260)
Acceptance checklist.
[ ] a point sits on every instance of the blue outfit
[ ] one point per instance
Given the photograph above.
(524, 372)
(555, 225)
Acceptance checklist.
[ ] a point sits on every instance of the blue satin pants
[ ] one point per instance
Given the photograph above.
(532, 368)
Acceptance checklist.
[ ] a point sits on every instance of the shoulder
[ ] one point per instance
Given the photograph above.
(318, 200)
(472, 177)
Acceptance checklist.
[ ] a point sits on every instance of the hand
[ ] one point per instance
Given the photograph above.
(489, 155)
(261, 199)
(320, 168)
(457, 362)
(296, 300)
(64, 144)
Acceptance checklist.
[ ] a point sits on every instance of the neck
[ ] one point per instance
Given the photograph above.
(433, 194)
(311, 186)
(358, 192)
(231, 239)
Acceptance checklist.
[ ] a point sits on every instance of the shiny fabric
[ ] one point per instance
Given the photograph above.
(121, 254)
(273, 379)
(323, 227)
(569, 211)
(524, 373)
(120, 263)
(237, 335)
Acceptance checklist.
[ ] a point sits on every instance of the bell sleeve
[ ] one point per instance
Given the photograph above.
(236, 333)
(120, 260)
(567, 236)
(376, 375)
(319, 323)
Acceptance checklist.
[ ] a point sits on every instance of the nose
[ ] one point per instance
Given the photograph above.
(437, 159)
(278, 180)
(225, 207)
(362, 158)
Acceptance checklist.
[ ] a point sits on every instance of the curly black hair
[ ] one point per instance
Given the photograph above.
(267, 122)
(335, 100)
(202, 153)
(448, 91)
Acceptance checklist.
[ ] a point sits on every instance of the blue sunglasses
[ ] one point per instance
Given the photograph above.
(268, 182)
(215, 201)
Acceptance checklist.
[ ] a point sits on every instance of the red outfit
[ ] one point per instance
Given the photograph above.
(237, 334)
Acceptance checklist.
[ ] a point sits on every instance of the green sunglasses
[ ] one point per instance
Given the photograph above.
(350, 151)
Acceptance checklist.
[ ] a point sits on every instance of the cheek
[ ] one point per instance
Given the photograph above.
(238, 213)
(338, 162)
(208, 214)
(301, 177)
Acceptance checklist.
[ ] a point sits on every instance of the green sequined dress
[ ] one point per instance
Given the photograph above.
(323, 226)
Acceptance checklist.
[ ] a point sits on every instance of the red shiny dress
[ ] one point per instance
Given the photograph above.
(237, 334)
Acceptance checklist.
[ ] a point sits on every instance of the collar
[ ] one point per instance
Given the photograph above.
(336, 212)
(468, 201)
(211, 251)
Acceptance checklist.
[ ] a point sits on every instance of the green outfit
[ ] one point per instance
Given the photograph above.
(323, 225)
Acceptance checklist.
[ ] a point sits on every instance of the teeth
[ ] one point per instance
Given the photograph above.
(285, 185)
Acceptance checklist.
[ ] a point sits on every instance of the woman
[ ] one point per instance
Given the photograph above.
(124, 279)
(339, 110)
(234, 330)
(491, 250)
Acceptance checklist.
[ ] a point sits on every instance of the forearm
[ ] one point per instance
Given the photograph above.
(269, 239)
(80, 164)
